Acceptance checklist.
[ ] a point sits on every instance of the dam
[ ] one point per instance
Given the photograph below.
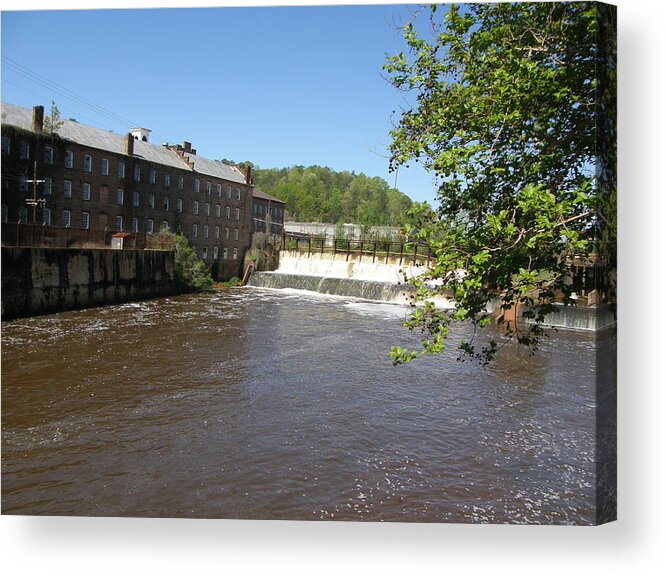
(385, 277)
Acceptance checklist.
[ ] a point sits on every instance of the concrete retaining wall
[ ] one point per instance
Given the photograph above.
(46, 280)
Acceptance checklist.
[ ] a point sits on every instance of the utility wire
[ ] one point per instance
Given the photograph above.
(37, 78)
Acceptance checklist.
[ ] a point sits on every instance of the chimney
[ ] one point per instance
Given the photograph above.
(38, 118)
(246, 170)
(187, 147)
(129, 144)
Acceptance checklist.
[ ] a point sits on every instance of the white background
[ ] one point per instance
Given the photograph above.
(634, 544)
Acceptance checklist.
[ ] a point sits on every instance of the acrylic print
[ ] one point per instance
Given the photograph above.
(342, 263)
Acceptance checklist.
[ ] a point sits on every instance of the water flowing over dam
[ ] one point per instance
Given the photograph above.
(384, 279)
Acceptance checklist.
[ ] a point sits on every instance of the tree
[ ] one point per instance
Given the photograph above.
(191, 273)
(508, 101)
(53, 122)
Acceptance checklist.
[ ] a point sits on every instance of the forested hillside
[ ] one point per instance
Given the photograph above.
(317, 194)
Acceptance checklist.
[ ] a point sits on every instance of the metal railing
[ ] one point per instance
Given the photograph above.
(378, 250)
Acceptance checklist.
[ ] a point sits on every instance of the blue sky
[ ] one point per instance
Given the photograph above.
(278, 86)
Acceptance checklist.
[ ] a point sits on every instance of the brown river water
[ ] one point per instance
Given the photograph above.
(270, 404)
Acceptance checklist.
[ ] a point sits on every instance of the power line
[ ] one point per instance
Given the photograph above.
(44, 82)
(29, 74)
(73, 111)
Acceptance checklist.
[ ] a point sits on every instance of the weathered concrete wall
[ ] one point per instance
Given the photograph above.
(46, 280)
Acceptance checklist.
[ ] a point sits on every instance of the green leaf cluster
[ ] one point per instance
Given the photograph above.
(191, 273)
(321, 194)
(514, 112)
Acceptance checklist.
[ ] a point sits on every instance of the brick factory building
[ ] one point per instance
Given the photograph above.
(80, 178)
(267, 209)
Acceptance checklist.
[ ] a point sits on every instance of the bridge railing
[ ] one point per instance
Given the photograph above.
(376, 250)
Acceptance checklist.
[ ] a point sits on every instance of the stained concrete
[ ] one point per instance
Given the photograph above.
(46, 280)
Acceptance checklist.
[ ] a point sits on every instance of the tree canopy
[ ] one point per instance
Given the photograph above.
(191, 274)
(321, 194)
(514, 112)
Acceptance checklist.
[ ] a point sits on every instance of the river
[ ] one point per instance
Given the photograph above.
(267, 404)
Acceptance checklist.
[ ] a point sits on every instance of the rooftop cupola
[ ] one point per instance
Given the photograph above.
(141, 134)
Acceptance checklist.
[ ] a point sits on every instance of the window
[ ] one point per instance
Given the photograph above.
(215, 252)
(152, 175)
(181, 183)
(119, 223)
(205, 232)
(85, 220)
(207, 209)
(165, 225)
(86, 191)
(228, 192)
(196, 185)
(48, 187)
(204, 254)
(105, 167)
(151, 200)
(167, 180)
(179, 205)
(66, 218)
(69, 159)
(235, 253)
(238, 194)
(46, 217)
(67, 188)
(195, 231)
(6, 142)
(5, 213)
(149, 227)
(137, 173)
(121, 169)
(237, 214)
(23, 214)
(135, 199)
(208, 188)
(217, 232)
(218, 189)
(135, 225)
(166, 204)
(87, 163)
(23, 184)
(120, 197)
(24, 150)
(218, 210)
(226, 233)
(225, 253)
(236, 233)
(48, 155)
(227, 212)
(195, 208)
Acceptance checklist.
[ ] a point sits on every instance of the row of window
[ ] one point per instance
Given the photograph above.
(225, 253)
(48, 158)
(119, 224)
(86, 195)
(262, 210)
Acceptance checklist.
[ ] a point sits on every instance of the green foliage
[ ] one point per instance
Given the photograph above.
(53, 122)
(321, 194)
(505, 114)
(191, 273)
